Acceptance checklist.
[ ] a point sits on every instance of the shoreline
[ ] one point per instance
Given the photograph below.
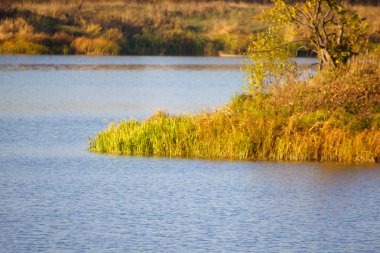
(295, 122)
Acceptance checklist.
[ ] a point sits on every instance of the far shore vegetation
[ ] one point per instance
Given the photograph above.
(141, 27)
(333, 116)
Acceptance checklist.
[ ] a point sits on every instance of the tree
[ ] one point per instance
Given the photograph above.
(333, 32)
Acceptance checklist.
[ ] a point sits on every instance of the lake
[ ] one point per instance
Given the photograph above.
(55, 196)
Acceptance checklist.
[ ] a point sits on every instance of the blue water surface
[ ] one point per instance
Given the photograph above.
(55, 196)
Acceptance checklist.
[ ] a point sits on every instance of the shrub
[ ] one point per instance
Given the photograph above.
(62, 37)
(114, 34)
(20, 46)
(10, 28)
(96, 46)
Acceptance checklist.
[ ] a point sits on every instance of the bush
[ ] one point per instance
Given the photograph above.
(96, 46)
(20, 46)
(10, 28)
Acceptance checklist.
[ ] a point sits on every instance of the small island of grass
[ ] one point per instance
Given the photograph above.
(333, 116)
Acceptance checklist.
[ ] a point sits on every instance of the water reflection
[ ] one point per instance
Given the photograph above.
(94, 67)
(49, 63)
(133, 87)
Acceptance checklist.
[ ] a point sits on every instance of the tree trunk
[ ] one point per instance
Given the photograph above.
(325, 58)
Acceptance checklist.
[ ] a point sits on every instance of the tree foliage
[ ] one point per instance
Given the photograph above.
(335, 33)
(327, 27)
(269, 60)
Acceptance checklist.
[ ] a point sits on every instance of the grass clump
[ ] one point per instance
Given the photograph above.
(334, 116)
(18, 37)
(96, 46)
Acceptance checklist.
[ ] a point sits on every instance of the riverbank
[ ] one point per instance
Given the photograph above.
(136, 27)
(334, 116)
(127, 27)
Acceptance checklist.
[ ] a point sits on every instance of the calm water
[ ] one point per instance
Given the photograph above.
(57, 197)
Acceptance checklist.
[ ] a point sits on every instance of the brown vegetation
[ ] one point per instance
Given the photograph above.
(334, 116)
(136, 27)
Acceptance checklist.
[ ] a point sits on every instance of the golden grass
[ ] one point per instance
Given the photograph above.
(54, 9)
(96, 46)
(18, 37)
(152, 27)
(159, 27)
(332, 117)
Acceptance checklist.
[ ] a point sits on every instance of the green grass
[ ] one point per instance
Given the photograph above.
(332, 117)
